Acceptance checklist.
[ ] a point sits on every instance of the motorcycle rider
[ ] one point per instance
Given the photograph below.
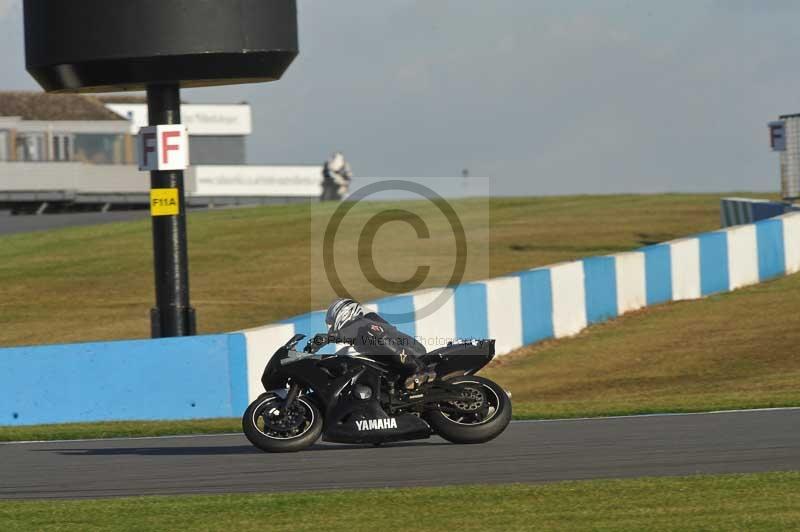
(374, 337)
(336, 178)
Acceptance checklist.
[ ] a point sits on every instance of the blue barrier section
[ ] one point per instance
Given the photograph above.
(714, 273)
(399, 311)
(771, 261)
(471, 307)
(600, 287)
(536, 293)
(765, 210)
(175, 378)
(658, 273)
(237, 364)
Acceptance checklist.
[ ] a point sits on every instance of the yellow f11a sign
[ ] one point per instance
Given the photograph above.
(164, 202)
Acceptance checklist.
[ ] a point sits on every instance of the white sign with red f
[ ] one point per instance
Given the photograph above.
(163, 148)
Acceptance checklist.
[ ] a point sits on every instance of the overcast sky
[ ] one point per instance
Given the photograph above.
(542, 96)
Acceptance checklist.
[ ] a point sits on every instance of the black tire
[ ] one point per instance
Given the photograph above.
(274, 442)
(479, 431)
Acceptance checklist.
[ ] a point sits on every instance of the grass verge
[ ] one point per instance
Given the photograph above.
(250, 267)
(769, 501)
(119, 429)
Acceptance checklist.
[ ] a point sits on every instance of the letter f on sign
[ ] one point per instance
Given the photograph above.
(166, 147)
(148, 146)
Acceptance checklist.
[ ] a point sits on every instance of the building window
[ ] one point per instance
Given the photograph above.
(98, 148)
(3, 145)
(62, 147)
(30, 147)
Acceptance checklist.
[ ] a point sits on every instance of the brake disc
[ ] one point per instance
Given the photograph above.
(286, 421)
(472, 400)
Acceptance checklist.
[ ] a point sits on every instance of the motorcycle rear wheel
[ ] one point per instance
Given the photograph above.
(483, 414)
(274, 431)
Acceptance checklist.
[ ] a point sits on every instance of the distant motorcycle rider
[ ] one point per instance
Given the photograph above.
(336, 178)
(374, 337)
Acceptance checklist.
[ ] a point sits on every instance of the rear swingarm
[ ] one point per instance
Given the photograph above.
(438, 392)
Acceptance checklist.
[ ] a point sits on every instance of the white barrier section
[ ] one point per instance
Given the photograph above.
(262, 342)
(569, 298)
(631, 287)
(791, 242)
(504, 313)
(685, 268)
(742, 256)
(438, 327)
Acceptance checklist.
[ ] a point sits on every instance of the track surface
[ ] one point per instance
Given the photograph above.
(728, 442)
(27, 223)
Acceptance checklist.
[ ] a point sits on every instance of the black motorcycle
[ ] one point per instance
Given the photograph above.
(355, 399)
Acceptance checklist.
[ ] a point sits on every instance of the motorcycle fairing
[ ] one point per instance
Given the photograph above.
(348, 418)
(332, 380)
(462, 358)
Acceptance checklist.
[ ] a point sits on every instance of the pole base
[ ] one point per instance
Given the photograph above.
(174, 322)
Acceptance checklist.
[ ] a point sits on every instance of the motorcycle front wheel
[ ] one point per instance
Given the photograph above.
(274, 429)
(481, 413)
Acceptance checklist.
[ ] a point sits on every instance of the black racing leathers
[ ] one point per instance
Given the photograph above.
(374, 337)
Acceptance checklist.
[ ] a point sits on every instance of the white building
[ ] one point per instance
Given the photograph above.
(74, 152)
(218, 133)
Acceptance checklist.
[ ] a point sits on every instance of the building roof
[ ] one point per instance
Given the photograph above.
(123, 98)
(54, 107)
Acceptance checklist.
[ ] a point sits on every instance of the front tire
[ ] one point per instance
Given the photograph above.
(482, 415)
(284, 432)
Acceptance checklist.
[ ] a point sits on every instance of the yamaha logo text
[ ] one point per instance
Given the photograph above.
(377, 424)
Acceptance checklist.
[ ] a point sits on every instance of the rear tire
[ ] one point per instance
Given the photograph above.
(276, 440)
(474, 430)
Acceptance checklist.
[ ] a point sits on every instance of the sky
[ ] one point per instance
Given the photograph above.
(542, 97)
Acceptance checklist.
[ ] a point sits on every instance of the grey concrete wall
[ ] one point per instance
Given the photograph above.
(81, 177)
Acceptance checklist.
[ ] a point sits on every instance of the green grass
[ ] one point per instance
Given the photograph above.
(119, 429)
(252, 266)
(769, 501)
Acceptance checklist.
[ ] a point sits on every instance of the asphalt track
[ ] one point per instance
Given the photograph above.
(545, 451)
(27, 223)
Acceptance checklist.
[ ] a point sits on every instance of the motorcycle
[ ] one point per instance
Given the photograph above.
(347, 398)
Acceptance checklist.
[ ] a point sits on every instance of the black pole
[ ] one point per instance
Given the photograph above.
(172, 315)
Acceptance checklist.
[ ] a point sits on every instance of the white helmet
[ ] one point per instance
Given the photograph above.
(341, 312)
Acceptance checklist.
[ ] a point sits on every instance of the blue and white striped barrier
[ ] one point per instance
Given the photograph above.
(216, 376)
(561, 300)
